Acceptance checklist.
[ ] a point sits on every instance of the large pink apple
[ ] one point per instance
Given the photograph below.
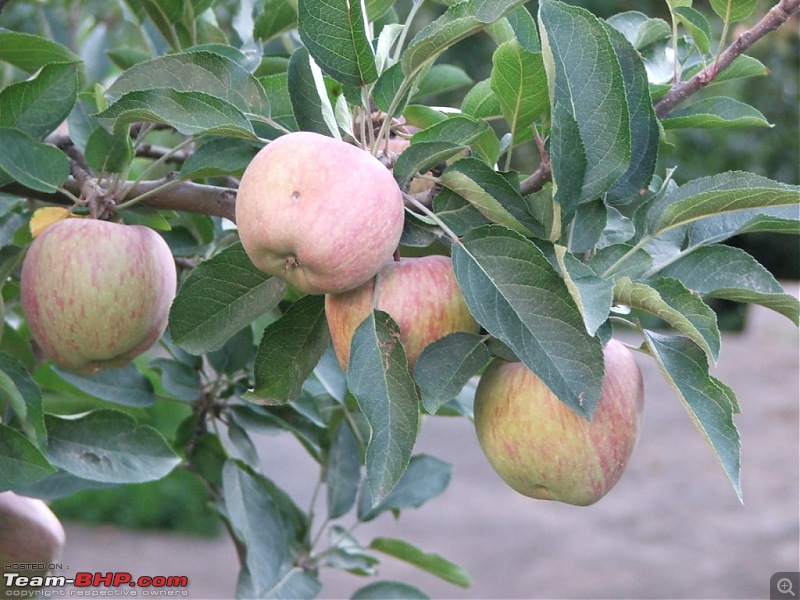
(542, 448)
(320, 213)
(31, 539)
(97, 294)
(420, 294)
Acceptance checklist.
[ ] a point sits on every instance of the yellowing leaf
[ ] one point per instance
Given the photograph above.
(44, 217)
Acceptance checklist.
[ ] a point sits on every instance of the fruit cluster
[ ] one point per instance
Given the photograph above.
(327, 217)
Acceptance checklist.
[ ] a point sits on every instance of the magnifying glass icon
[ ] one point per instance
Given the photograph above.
(785, 587)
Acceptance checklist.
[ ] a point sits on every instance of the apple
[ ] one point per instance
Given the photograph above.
(31, 537)
(97, 294)
(420, 294)
(320, 213)
(542, 448)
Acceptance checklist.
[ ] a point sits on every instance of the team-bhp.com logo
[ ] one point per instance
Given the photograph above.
(84, 583)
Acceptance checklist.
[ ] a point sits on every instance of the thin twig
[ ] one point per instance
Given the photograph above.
(777, 16)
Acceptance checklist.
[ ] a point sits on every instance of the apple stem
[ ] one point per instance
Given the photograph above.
(396, 255)
(432, 215)
(144, 195)
(160, 161)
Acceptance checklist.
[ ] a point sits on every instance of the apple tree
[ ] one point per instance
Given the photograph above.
(533, 214)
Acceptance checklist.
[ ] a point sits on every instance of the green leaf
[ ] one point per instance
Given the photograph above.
(385, 44)
(716, 195)
(709, 402)
(343, 472)
(458, 214)
(39, 105)
(481, 102)
(734, 10)
(513, 291)
(645, 131)
(569, 169)
(273, 419)
(312, 108)
(378, 8)
(219, 297)
(389, 590)
(519, 80)
(242, 444)
(217, 157)
(444, 367)
(715, 112)
(124, 386)
(697, 26)
(297, 582)
(427, 561)
(347, 554)
(387, 87)
(458, 22)
(440, 79)
(670, 300)
(491, 193)
(35, 165)
(109, 152)
(25, 398)
(31, 52)
(109, 446)
(437, 143)
(517, 25)
(165, 14)
(190, 113)
(277, 88)
(422, 157)
(586, 80)
(732, 274)
(635, 266)
(639, 29)
(290, 349)
(592, 294)
(179, 380)
(207, 456)
(330, 376)
(196, 71)
(276, 17)
(784, 219)
(235, 355)
(126, 57)
(378, 377)
(426, 478)
(21, 462)
(335, 34)
(259, 525)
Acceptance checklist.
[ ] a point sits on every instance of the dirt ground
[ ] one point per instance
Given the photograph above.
(672, 528)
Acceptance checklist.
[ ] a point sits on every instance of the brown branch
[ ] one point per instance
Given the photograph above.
(777, 16)
(184, 196)
(536, 180)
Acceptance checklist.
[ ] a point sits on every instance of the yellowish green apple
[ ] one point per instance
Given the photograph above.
(542, 448)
